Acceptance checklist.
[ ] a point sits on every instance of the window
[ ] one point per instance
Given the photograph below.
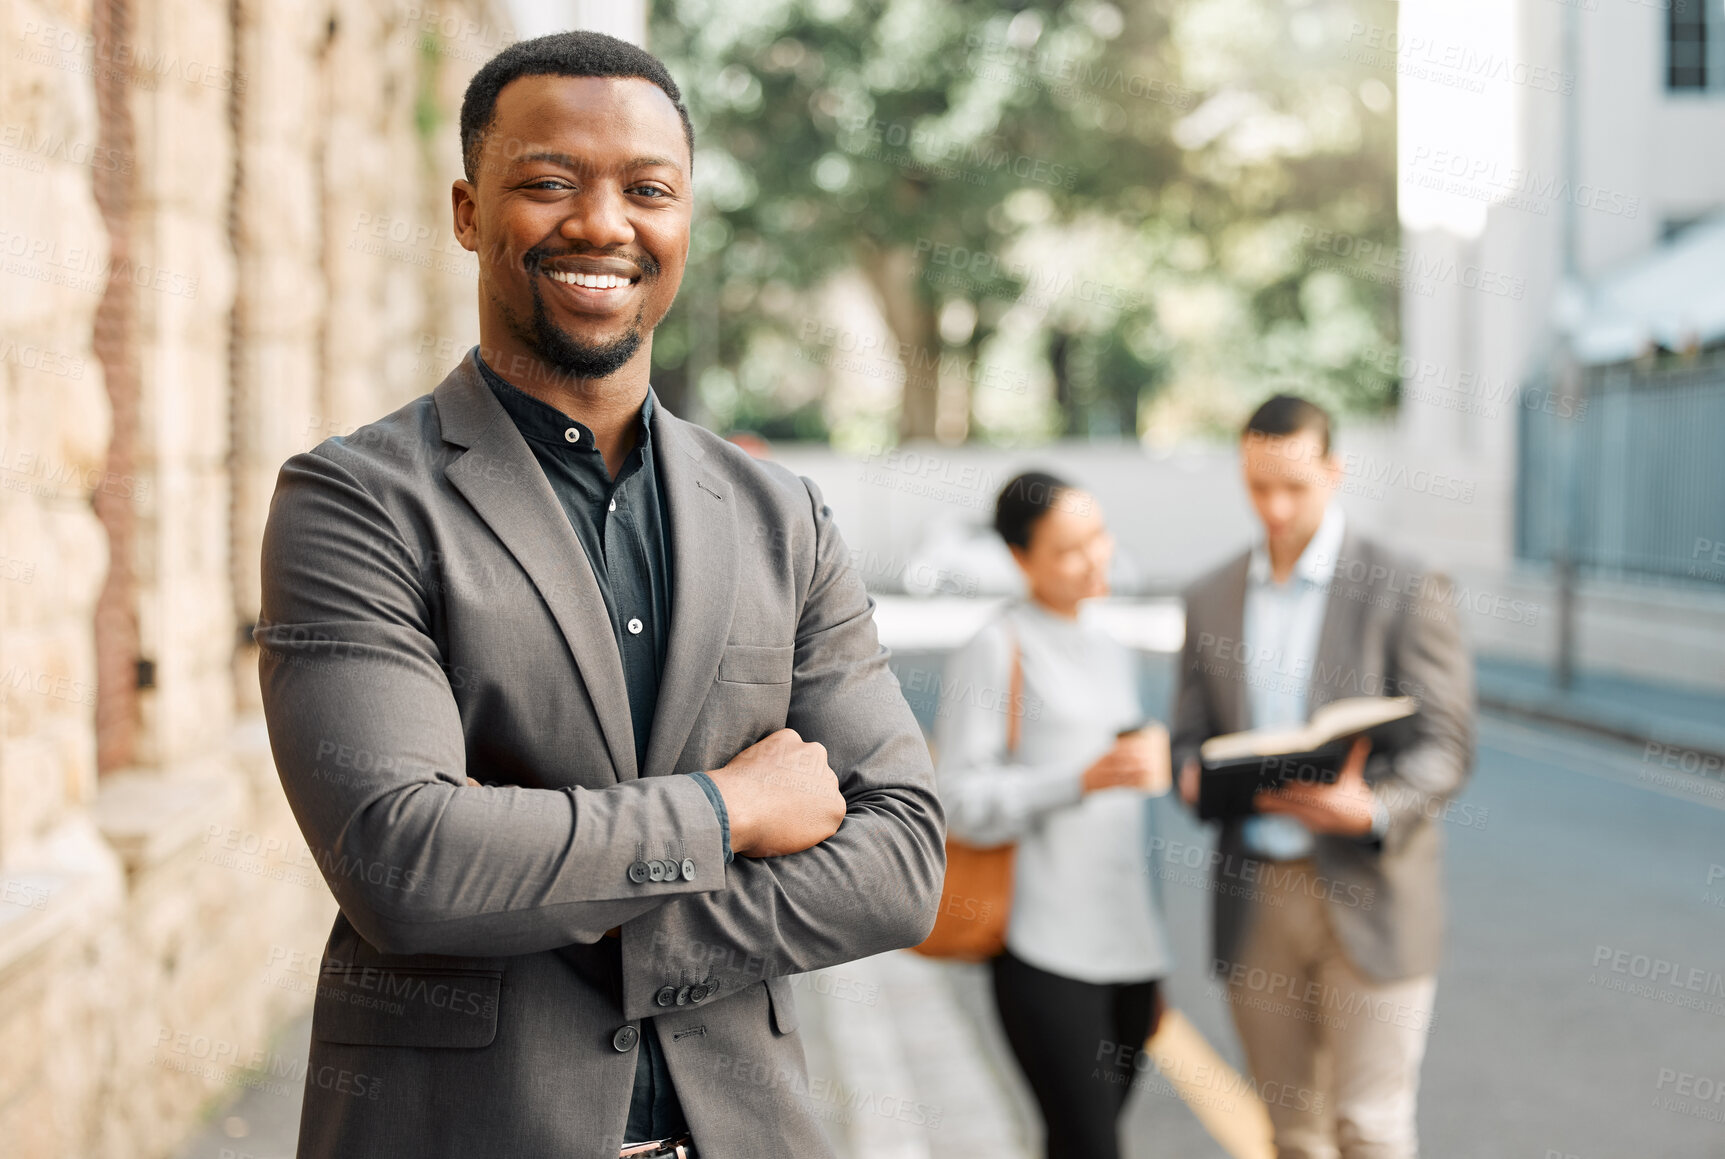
(1695, 46)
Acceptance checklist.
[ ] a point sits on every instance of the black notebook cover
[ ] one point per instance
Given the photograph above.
(1226, 788)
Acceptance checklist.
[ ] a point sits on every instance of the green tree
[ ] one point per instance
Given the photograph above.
(1066, 177)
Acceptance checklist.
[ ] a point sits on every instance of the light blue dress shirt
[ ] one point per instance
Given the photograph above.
(1283, 623)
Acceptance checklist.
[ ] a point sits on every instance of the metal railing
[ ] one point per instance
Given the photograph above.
(1626, 478)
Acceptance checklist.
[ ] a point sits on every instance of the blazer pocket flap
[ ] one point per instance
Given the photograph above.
(757, 663)
(369, 1006)
(784, 999)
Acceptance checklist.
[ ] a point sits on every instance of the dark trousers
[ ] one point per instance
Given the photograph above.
(1078, 1044)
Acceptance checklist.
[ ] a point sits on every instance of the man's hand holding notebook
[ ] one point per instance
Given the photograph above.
(1314, 773)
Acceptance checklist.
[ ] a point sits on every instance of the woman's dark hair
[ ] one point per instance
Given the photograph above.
(1023, 501)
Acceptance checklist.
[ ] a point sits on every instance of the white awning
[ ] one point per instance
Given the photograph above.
(1674, 297)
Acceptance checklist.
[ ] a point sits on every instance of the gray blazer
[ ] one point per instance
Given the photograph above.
(428, 614)
(1389, 630)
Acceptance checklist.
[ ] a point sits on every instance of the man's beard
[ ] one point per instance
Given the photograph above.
(569, 355)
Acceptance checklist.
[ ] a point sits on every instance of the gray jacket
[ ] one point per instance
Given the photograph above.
(1389, 630)
(429, 615)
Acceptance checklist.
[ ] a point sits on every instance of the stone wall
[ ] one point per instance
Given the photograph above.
(276, 178)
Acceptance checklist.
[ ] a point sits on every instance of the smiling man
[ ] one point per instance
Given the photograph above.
(581, 710)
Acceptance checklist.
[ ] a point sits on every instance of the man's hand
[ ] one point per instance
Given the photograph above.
(1138, 760)
(780, 795)
(1343, 808)
(1189, 773)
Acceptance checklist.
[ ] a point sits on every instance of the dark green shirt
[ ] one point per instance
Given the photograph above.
(621, 523)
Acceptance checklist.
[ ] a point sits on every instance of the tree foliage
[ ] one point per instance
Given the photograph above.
(1134, 212)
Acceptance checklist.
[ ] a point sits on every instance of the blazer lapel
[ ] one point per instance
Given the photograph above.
(501, 479)
(1228, 619)
(1339, 639)
(704, 560)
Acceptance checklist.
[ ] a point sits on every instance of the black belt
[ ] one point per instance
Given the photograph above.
(676, 1147)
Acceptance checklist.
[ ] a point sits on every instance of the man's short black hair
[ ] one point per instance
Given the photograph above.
(577, 53)
(1282, 415)
(1023, 501)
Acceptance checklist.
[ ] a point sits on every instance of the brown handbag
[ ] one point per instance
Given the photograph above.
(976, 896)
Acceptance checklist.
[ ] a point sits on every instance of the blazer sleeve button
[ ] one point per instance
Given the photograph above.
(655, 871)
(688, 869)
(666, 996)
(638, 872)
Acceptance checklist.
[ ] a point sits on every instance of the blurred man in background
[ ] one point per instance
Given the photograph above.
(1327, 903)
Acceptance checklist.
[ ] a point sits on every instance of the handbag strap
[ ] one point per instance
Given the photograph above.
(1014, 698)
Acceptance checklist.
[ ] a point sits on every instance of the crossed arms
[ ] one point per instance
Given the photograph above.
(421, 862)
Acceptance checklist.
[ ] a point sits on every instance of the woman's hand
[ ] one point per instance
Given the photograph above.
(1139, 760)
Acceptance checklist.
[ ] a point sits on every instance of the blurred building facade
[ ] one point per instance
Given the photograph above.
(225, 238)
(1560, 354)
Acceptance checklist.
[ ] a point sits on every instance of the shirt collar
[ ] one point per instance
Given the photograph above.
(543, 423)
(1317, 563)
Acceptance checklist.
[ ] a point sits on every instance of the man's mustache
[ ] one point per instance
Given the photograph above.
(541, 255)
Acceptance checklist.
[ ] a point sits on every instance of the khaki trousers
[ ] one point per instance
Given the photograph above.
(1335, 1055)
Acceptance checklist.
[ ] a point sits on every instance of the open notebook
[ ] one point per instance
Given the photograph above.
(1234, 767)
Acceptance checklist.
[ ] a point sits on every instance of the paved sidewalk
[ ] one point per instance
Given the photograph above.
(1634, 710)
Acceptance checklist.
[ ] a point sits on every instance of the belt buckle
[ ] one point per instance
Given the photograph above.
(675, 1147)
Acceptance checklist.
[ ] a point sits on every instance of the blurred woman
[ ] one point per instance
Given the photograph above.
(1085, 944)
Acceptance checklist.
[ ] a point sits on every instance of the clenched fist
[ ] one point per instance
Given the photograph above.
(780, 795)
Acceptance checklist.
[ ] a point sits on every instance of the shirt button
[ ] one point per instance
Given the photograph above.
(613, 506)
(573, 435)
(625, 1039)
(635, 627)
